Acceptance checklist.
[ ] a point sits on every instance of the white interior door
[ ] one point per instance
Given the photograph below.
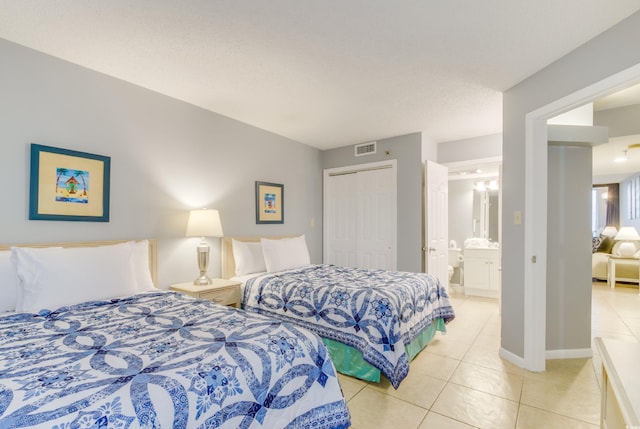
(360, 216)
(437, 221)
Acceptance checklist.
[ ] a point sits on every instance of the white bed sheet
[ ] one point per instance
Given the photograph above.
(243, 280)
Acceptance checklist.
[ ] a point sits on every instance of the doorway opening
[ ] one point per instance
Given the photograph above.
(535, 219)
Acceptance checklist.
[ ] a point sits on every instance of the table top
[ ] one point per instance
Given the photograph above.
(215, 284)
(621, 359)
(619, 258)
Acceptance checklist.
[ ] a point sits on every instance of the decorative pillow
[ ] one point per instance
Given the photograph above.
(595, 243)
(141, 266)
(285, 254)
(248, 257)
(50, 278)
(606, 245)
(8, 282)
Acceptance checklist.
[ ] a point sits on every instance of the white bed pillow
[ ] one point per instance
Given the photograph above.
(248, 257)
(285, 254)
(141, 266)
(50, 278)
(8, 283)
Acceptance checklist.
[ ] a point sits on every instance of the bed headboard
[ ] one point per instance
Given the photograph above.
(228, 265)
(153, 251)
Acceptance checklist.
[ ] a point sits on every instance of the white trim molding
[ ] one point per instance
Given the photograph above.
(535, 212)
(569, 354)
(511, 357)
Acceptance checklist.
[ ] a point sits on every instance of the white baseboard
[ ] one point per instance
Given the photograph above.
(569, 354)
(513, 358)
(549, 354)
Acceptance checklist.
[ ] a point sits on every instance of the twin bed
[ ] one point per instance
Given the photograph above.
(372, 321)
(87, 341)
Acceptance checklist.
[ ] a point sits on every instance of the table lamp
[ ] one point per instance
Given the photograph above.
(609, 231)
(627, 235)
(203, 223)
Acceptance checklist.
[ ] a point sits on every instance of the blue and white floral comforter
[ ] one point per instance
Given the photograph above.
(375, 311)
(161, 359)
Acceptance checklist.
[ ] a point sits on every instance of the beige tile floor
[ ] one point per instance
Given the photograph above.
(459, 381)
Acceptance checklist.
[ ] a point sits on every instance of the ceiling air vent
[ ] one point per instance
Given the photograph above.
(366, 149)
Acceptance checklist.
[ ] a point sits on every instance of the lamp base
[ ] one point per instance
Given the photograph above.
(203, 263)
(203, 280)
(627, 249)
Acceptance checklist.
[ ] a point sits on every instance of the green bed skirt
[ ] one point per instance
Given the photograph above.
(349, 361)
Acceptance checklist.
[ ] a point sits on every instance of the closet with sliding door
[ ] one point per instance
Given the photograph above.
(360, 216)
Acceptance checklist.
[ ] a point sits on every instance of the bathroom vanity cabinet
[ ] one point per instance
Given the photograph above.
(482, 272)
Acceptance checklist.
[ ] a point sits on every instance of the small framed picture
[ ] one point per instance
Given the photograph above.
(68, 185)
(269, 202)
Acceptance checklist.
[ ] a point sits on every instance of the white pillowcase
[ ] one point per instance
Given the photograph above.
(285, 254)
(50, 278)
(141, 266)
(8, 282)
(248, 257)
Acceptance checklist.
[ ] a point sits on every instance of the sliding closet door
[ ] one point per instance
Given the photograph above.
(340, 219)
(360, 216)
(377, 219)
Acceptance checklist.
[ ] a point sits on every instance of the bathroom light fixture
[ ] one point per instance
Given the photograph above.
(203, 223)
(484, 185)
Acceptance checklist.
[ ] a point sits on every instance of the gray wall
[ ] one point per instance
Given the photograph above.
(609, 53)
(568, 322)
(489, 146)
(407, 150)
(167, 158)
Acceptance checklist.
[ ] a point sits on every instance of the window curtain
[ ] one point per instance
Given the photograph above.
(613, 205)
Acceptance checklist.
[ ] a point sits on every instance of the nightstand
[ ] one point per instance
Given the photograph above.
(613, 261)
(224, 292)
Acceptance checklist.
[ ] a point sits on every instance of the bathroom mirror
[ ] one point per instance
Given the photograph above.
(485, 214)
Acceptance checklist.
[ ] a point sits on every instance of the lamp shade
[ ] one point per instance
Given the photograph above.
(204, 223)
(627, 233)
(609, 231)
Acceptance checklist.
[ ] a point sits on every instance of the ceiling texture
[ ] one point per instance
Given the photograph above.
(326, 73)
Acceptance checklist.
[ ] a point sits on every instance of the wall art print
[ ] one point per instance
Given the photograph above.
(68, 185)
(269, 202)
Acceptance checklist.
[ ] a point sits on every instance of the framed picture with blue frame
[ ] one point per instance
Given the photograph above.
(269, 202)
(68, 185)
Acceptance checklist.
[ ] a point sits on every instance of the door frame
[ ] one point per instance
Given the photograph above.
(535, 211)
(355, 168)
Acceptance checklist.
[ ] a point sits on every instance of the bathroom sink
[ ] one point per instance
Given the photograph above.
(476, 243)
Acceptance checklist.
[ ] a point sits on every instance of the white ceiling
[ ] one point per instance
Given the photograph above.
(607, 167)
(326, 73)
